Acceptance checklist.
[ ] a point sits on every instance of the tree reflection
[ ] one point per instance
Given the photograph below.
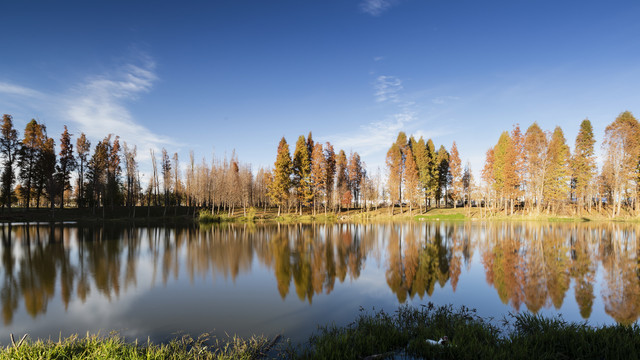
(528, 264)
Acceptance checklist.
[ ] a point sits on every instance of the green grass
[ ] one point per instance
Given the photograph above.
(522, 336)
(205, 217)
(454, 216)
(115, 347)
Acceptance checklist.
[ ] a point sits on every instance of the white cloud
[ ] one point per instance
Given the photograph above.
(387, 88)
(375, 7)
(12, 89)
(443, 99)
(375, 136)
(98, 106)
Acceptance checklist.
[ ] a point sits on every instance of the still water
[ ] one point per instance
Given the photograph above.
(286, 279)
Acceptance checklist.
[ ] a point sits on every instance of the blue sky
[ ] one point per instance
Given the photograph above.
(221, 75)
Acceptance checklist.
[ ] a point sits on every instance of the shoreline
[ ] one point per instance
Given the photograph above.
(187, 215)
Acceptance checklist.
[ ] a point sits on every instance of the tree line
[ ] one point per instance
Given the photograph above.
(34, 175)
(536, 171)
(419, 174)
(533, 172)
(318, 177)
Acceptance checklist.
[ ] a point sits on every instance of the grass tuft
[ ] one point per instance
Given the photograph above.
(113, 346)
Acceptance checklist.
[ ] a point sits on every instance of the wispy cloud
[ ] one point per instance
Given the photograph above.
(387, 88)
(375, 7)
(443, 99)
(373, 137)
(12, 89)
(98, 106)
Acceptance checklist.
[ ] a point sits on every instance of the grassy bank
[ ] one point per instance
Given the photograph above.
(115, 347)
(405, 332)
(377, 335)
(182, 214)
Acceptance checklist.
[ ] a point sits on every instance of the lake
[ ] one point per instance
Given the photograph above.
(287, 279)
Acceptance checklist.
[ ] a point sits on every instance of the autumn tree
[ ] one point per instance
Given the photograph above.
(420, 154)
(302, 173)
(29, 156)
(66, 165)
(583, 164)
(342, 183)
(279, 189)
(556, 184)
(10, 149)
(503, 168)
(355, 172)
(622, 148)
(535, 155)
(318, 174)
(455, 168)
(411, 180)
(517, 158)
(83, 146)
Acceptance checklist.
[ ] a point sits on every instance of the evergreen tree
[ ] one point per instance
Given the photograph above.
(281, 182)
(302, 173)
(501, 166)
(10, 149)
(556, 186)
(420, 153)
(431, 174)
(330, 171)
(67, 164)
(444, 177)
(583, 163)
(28, 158)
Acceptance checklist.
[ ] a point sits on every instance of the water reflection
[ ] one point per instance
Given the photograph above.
(528, 265)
